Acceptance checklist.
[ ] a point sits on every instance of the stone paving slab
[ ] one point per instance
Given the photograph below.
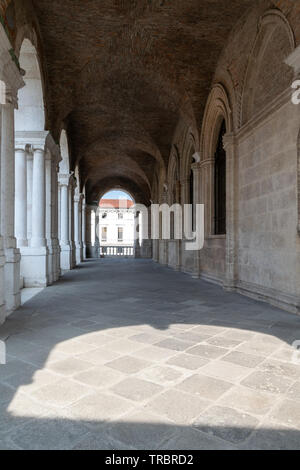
(168, 363)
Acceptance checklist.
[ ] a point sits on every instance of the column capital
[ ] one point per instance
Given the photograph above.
(196, 167)
(20, 148)
(64, 179)
(36, 140)
(228, 140)
(293, 60)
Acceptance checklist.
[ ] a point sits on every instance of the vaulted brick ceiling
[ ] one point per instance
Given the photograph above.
(122, 73)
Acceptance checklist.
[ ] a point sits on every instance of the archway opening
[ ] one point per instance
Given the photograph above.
(117, 224)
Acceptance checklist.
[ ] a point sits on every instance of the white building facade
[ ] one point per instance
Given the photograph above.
(116, 227)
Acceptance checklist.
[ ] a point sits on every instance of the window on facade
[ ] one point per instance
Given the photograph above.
(120, 215)
(120, 234)
(104, 215)
(220, 184)
(104, 234)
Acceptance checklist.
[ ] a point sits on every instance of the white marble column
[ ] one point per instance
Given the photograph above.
(72, 187)
(56, 215)
(49, 216)
(178, 242)
(38, 238)
(80, 229)
(65, 256)
(34, 261)
(78, 226)
(21, 197)
(29, 166)
(12, 254)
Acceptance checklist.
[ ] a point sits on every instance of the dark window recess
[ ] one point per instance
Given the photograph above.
(220, 184)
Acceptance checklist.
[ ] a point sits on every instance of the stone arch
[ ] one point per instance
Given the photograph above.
(30, 115)
(267, 75)
(187, 152)
(115, 188)
(217, 108)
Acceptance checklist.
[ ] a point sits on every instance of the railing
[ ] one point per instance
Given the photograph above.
(116, 251)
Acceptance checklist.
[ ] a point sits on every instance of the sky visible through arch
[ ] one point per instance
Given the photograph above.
(116, 195)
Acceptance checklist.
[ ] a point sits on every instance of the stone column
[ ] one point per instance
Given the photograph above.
(35, 258)
(146, 245)
(185, 196)
(232, 190)
(83, 229)
(49, 216)
(97, 241)
(38, 238)
(29, 194)
(72, 187)
(88, 236)
(137, 228)
(21, 197)
(207, 197)
(78, 226)
(164, 244)
(55, 218)
(65, 247)
(196, 169)
(178, 242)
(12, 254)
(52, 160)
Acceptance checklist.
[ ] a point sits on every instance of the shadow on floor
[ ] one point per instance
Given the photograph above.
(110, 296)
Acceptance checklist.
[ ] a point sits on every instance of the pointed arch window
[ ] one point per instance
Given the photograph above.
(220, 184)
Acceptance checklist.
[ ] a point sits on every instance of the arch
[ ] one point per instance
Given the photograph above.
(30, 115)
(173, 174)
(113, 188)
(64, 166)
(217, 109)
(188, 152)
(267, 75)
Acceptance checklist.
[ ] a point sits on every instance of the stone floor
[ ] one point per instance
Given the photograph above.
(126, 354)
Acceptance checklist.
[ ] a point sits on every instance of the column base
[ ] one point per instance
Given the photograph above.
(35, 266)
(79, 253)
(146, 249)
(12, 279)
